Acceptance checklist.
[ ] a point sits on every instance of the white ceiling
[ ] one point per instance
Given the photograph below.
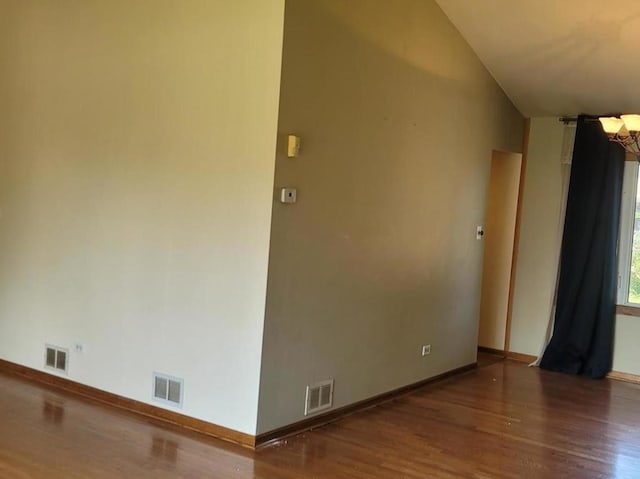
(557, 57)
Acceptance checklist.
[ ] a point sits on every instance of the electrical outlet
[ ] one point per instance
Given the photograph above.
(79, 348)
(426, 349)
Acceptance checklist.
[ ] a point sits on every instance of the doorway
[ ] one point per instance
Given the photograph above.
(502, 207)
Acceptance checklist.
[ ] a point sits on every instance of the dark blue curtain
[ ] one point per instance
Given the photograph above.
(582, 341)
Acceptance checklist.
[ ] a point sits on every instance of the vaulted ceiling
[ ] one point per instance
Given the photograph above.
(557, 57)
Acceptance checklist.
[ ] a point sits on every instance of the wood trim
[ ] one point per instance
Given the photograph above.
(495, 352)
(521, 358)
(270, 437)
(516, 233)
(628, 310)
(154, 413)
(627, 377)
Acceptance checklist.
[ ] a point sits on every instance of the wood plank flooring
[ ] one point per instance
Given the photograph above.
(503, 420)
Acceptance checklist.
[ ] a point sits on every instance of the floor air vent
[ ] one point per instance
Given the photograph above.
(167, 389)
(56, 358)
(319, 397)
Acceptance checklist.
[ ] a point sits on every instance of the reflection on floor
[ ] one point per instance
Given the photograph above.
(502, 420)
(487, 359)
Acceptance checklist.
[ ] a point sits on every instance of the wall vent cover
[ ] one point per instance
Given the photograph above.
(56, 358)
(319, 397)
(167, 389)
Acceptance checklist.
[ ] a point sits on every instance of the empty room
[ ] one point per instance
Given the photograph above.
(319, 239)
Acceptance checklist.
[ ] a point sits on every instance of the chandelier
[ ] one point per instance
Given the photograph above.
(625, 131)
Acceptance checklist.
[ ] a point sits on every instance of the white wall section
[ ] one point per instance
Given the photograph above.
(540, 233)
(137, 144)
(537, 265)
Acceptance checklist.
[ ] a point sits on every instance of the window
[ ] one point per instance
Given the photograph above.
(629, 243)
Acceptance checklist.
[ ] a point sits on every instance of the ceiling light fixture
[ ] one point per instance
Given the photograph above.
(625, 131)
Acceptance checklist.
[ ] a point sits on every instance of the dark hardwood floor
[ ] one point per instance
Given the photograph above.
(503, 420)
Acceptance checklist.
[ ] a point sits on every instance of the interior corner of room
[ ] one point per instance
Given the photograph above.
(284, 223)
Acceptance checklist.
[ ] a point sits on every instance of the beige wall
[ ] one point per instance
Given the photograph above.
(398, 120)
(540, 233)
(502, 204)
(137, 144)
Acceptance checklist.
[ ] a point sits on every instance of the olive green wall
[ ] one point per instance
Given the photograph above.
(398, 120)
